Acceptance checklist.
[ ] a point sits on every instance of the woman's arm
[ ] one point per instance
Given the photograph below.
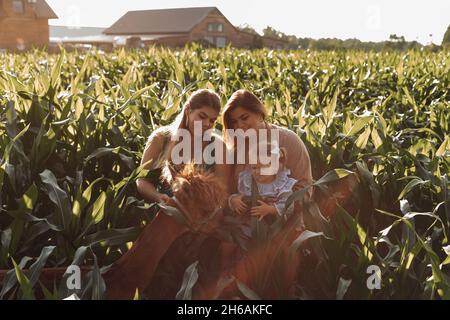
(298, 160)
(148, 191)
(152, 152)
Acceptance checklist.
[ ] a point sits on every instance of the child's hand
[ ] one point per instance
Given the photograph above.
(237, 204)
(263, 210)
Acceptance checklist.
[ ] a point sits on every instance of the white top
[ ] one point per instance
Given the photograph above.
(280, 188)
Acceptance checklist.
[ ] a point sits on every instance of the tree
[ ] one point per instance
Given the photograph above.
(272, 32)
(394, 42)
(395, 38)
(247, 28)
(446, 40)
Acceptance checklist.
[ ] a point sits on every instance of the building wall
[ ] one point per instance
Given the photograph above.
(172, 42)
(272, 43)
(200, 31)
(233, 36)
(71, 46)
(248, 40)
(22, 31)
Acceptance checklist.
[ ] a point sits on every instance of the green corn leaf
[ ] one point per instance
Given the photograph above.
(25, 285)
(247, 292)
(189, 280)
(59, 197)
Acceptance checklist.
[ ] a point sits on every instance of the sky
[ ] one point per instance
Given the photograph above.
(367, 20)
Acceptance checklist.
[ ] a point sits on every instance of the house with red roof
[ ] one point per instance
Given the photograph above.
(177, 27)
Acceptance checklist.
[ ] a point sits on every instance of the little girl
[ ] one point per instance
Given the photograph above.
(272, 190)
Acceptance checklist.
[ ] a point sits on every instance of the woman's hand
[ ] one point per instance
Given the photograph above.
(263, 210)
(163, 198)
(237, 204)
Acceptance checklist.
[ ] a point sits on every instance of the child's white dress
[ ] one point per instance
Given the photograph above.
(278, 190)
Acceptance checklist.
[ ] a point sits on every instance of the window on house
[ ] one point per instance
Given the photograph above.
(209, 39)
(221, 42)
(215, 27)
(18, 6)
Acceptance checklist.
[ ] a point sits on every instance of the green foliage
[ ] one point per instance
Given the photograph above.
(446, 39)
(73, 128)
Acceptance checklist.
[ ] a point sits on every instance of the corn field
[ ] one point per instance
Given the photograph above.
(73, 128)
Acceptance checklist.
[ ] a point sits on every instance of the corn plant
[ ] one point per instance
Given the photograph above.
(73, 127)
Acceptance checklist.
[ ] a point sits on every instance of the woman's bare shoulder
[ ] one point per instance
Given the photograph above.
(158, 135)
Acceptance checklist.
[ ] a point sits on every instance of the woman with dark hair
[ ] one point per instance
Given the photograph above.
(245, 111)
